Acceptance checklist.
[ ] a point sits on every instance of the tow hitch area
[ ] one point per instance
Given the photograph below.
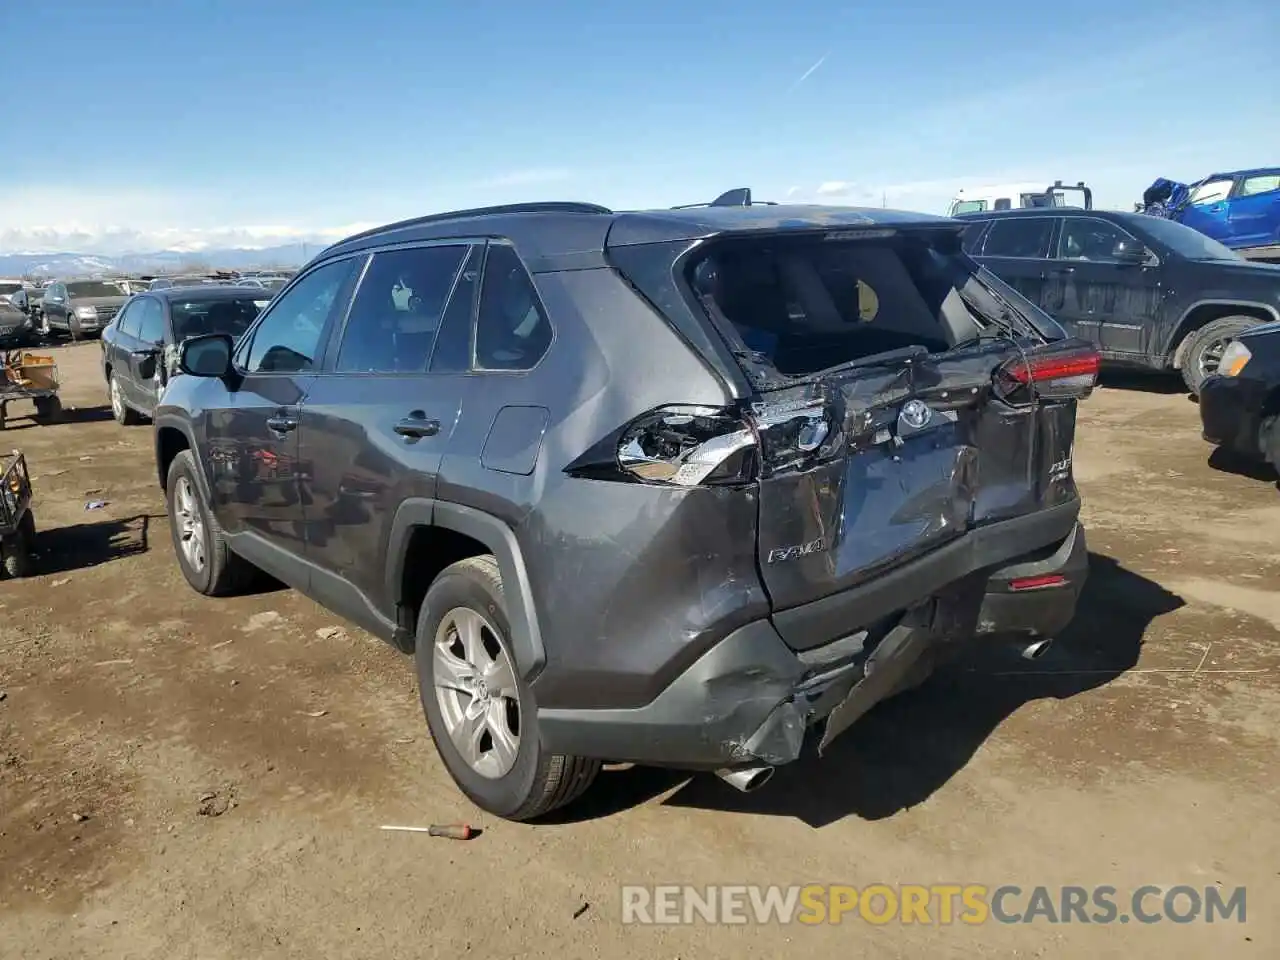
(884, 671)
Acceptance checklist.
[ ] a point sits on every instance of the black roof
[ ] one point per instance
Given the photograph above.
(556, 235)
(207, 291)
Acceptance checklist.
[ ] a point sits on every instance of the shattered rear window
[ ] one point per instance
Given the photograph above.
(806, 306)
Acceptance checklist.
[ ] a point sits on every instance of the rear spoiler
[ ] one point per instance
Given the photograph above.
(737, 197)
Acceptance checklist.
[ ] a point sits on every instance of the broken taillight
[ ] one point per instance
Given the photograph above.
(1064, 371)
(680, 445)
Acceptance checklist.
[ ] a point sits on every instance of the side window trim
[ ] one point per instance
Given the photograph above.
(339, 329)
(245, 346)
(475, 366)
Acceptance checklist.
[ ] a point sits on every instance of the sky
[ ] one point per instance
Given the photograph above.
(134, 126)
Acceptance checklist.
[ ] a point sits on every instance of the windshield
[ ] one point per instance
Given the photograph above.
(94, 288)
(1186, 242)
(8, 288)
(195, 317)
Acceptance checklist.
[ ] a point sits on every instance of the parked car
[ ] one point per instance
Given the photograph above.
(1238, 404)
(166, 283)
(79, 307)
(271, 284)
(1241, 210)
(668, 487)
(15, 325)
(9, 289)
(1147, 292)
(139, 346)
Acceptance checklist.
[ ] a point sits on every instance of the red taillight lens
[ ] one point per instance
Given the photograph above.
(1060, 372)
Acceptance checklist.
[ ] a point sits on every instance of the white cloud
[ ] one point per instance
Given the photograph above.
(832, 188)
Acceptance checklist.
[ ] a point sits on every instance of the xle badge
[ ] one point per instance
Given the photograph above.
(799, 550)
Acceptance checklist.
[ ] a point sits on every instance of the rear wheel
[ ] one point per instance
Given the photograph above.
(1205, 346)
(481, 714)
(48, 409)
(123, 413)
(17, 549)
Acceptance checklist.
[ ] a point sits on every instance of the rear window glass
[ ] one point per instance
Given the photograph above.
(807, 305)
(194, 318)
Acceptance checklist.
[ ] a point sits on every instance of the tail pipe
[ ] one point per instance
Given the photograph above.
(745, 779)
(1037, 649)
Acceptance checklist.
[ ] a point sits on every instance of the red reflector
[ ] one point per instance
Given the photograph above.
(1055, 367)
(1037, 583)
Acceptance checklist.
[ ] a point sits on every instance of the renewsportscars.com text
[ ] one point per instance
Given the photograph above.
(933, 904)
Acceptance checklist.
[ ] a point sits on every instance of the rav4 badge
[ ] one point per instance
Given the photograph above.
(799, 550)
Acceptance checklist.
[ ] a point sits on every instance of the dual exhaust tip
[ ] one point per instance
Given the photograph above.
(749, 779)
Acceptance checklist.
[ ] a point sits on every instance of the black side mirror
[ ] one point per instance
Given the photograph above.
(1130, 251)
(206, 356)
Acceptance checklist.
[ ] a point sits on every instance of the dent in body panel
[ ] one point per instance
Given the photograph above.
(882, 490)
(601, 555)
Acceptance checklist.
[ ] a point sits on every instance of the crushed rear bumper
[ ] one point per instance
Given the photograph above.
(751, 699)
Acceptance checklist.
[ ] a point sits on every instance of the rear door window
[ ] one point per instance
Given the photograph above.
(1019, 237)
(129, 321)
(398, 310)
(151, 322)
(512, 329)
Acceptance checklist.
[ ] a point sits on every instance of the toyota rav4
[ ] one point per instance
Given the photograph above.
(678, 487)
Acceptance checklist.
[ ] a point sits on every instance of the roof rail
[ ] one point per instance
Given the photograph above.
(551, 206)
(737, 197)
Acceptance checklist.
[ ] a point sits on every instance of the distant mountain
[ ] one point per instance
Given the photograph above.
(161, 261)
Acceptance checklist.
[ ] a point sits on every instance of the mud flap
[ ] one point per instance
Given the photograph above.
(883, 673)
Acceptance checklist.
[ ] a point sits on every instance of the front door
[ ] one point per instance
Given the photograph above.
(1253, 214)
(1111, 303)
(1206, 209)
(253, 436)
(377, 421)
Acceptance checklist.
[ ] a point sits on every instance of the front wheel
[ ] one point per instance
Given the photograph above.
(482, 715)
(201, 547)
(1205, 346)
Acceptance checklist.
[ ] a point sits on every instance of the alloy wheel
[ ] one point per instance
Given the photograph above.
(117, 399)
(191, 531)
(475, 686)
(1211, 356)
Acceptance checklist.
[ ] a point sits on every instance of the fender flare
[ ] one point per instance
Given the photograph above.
(498, 537)
(1175, 347)
(162, 423)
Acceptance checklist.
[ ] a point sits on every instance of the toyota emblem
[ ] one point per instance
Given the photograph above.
(916, 414)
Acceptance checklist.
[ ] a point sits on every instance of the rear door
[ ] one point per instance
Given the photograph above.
(376, 422)
(1015, 250)
(146, 353)
(867, 467)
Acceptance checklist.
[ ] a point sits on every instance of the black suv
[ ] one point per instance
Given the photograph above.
(664, 487)
(1146, 291)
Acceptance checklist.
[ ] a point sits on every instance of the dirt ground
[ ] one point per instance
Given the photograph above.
(181, 777)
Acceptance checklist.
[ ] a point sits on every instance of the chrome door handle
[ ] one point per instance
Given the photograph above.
(281, 423)
(416, 426)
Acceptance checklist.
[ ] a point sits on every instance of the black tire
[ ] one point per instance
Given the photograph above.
(48, 409)
(1200, 344)
(1269, 441)
(538, 782)
(17, 549)
(223, 572)
(126, 416)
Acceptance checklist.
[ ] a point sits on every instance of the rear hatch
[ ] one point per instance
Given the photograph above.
(898, 398)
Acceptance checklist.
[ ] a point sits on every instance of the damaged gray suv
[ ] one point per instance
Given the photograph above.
(678, 487)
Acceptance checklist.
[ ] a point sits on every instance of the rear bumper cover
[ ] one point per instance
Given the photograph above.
(1231, 413)
(751, 698)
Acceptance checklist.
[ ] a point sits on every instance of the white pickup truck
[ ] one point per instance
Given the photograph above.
(1012, 196)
